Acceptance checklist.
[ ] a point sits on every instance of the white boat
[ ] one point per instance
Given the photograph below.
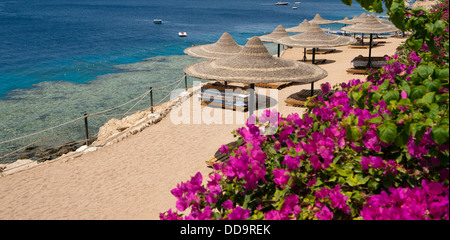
(281, 3)
(182, 34)
(295, 7)
(157, 21)
(297, 3)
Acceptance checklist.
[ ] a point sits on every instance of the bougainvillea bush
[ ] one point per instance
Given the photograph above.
(374, 149)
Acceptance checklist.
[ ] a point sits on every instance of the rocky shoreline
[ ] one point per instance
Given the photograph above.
(113, 131)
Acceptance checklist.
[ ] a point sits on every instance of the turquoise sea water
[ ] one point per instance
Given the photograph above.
(60, 59)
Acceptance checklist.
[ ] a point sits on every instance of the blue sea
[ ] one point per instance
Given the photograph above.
(60, 59)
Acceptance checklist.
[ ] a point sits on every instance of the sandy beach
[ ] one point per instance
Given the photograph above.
(132, 179)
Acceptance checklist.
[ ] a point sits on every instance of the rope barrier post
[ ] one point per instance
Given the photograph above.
(185, 82)
(151, 99)
(86, 129)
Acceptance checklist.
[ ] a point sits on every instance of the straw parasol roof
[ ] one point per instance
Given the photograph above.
(224, 47)
(382, 20)
(315, 37)
(361, 18)
(319, 20)
(279, 32)
(370, 25)
(346, 21)
(302, 27)
(254, 64)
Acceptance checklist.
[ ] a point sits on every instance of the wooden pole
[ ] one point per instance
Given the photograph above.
(151, 99)
(86, 129)
(185, 82)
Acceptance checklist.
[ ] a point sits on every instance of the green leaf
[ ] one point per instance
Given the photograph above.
(376, 120)
(387, 132)
(347, 2)
(432, 86)
(433, 111)
(390, 96)
(417, 92)
(440, 134)
(361, 180)
(429, 97)
(424, 71)
(373, 185)
(353, 133)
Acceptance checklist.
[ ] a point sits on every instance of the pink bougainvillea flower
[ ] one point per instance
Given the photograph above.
(326, 87)
(324, 214)
(291, 162)
(280, 177)
(228, 204)
(224, 149)
(239, 214)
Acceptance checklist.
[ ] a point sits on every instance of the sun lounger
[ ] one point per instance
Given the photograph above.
(224, 96)
(316, 61)
(360, 64)
(299, 99)
(274, 85)
(363, 71)
(362, 45)
(221, 157)
(321, 51)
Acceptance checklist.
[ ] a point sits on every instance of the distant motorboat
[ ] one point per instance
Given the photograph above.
(157, 21)
(281, 3)
(182, 34)
(295, 7)
(297, 3)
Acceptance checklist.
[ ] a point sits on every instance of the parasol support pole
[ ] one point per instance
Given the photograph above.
(151, 99)
(312, 89)
(362, 38)
(314, 56)
(369, 63)
(278, 50)
(251, 101)
(304, 54)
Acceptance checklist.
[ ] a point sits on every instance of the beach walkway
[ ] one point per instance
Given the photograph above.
(132, 179)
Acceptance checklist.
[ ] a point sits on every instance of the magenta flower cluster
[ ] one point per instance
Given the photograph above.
(429, 202)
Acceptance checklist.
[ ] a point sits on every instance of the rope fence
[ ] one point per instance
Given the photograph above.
(58, 129)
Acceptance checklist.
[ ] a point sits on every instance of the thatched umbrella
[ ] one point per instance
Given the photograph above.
(254, 64)
(278, 33)
(319, 20)
(224, 47)
(314, 38)
(346, 21)
(372, 26)
(302, 27)
(382, 20)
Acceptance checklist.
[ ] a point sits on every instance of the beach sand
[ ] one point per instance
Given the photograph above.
(132, 179)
